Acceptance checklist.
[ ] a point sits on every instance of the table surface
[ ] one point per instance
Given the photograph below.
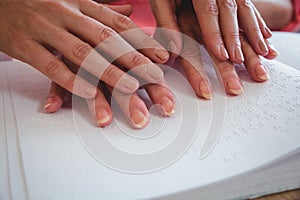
(288, 45)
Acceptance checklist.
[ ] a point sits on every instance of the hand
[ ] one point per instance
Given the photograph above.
(190, 57)
(132, 106)
(73, 28)
(220, 22)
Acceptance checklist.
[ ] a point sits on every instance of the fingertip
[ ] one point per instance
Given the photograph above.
(261, 73)
(103, 117)
(204, 91)
(263, 48)
(155, 73)
(238, 56)
(267, 33)
(167, 106)
(234, 87)
(273, 53)
(52, 105)
(162, 55)
(139, 119)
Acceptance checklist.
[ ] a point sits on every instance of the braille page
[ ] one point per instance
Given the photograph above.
(12, 184)
(63, 155)
(4, 180)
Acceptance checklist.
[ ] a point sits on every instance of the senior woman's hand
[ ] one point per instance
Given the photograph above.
(29, 29)
(220, 22)
(191, 35)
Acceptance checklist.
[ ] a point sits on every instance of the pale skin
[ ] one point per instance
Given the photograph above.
(193, 66)
(190, 17)
(74, 20)
(31, 29)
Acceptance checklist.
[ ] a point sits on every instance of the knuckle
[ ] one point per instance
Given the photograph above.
(110, 73)
(122, 22)
(106, 33)
(225, 68)
(255, 29)
(70, 82)
(81, 50)
(213, 37)
(53, 68)
(229, 5)
(190, 53)
(232, 35)
(145, 42)
(211, 8)
(137, 59)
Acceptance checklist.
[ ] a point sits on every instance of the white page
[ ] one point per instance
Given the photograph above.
(59, 165)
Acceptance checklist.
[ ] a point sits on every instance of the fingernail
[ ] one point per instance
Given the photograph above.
(205, 91)
(168, 106)
(162, 54)
(234, 86)
(263, 46)
(139, 119)
(223, 52)
(155, 72)
(172, 47)
(239, 54)
(48, 103)
(274, 52)
(269, 32)
(207, 96)
(102, 117)
(261, 73)
(129, 84)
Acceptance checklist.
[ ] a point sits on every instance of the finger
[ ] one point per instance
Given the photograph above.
(56, 70)
(273, 53)
(228, 76)
(250, 25)
(124, 26)
(230, 29)
(133, 108)
(82, 54)
(192, 64)
(161, 95)
(169, 34)
(207, 15)
(122, 9)
(55, 98)
(267, 33)
(253, 63)
(100, 109)
(117, 48)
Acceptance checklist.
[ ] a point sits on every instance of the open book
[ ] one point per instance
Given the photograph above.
(227, 148)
